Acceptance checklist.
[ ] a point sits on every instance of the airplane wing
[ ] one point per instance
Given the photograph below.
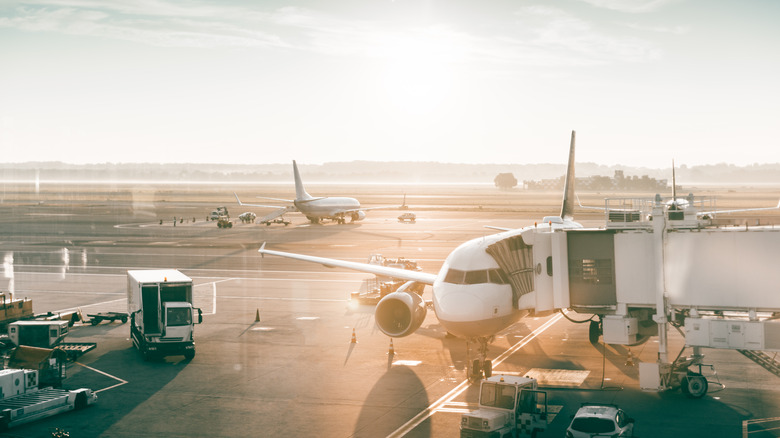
(275, 214)
(404, 274)
(263, 205)
(498, 228)
(738, 210)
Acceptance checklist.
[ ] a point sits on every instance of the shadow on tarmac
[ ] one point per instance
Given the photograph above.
(399, 389)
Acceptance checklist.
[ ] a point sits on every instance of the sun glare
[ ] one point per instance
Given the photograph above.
(416, 79)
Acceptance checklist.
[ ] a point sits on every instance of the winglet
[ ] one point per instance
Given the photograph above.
(262, 250)
(238, 200)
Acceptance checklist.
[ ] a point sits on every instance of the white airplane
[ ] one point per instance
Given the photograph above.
(473, 297)
(315, 209)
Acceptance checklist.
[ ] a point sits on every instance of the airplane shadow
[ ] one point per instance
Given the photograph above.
(399, 393)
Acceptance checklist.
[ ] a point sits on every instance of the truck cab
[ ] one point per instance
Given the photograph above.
(509, 406)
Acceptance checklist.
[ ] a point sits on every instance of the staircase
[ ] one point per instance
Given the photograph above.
(768, 362)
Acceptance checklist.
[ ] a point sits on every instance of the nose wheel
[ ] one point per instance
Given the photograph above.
(482, 367)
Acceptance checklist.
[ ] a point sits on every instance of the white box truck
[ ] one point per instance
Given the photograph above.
(162, 319)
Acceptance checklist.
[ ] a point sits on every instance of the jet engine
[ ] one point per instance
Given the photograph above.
(358, 215)
(400, 313)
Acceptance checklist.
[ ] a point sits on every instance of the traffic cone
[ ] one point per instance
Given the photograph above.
(257, 316)
(391, 351)
(354, 338)
(630, 359)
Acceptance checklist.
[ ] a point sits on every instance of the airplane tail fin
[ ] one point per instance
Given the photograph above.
(300, 192)
(567, 208)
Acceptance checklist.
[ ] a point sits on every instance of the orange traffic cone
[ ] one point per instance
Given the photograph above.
(391, 351)
(257, 316)
(630, 359)
(354, 338)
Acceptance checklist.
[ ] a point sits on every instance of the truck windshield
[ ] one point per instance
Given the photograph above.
(178, 316)
(497, 396)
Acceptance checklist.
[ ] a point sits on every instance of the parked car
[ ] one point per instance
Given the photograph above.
(597, 420)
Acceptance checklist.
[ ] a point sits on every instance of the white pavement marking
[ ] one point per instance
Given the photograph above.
(121, 382)
(447, 399)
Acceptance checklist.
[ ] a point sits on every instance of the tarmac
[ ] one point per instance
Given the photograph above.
(276, 354)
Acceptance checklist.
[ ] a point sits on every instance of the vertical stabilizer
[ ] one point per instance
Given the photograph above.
(567, 209)
(300, 192)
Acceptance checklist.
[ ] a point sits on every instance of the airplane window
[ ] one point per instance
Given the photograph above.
(549, 266)
(454, 276)
(481, 276)
(497, 276)
(476, 277)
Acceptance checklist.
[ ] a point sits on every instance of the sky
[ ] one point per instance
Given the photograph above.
(461, 81)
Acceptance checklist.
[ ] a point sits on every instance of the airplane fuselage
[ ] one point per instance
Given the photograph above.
(327, 208)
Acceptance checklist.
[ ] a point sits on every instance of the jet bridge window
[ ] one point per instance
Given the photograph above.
(593, 271)
(481, 276)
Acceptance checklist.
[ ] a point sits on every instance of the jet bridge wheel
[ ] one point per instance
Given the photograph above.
(694, 385)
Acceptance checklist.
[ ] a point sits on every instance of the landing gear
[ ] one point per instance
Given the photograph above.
(481, 367)
(694, 385)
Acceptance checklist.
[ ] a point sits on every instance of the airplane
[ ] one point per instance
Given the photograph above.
(315, 209)
(472, 296)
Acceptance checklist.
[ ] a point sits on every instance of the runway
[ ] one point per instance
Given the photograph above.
(295, 371)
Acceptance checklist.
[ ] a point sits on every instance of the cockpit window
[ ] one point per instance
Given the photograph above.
(480, 276)
(455, 276)
(476, 277)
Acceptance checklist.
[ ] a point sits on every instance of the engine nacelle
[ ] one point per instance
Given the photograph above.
(358, 215)
(400, 313)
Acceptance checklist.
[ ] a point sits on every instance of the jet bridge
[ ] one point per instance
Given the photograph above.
(658, 263)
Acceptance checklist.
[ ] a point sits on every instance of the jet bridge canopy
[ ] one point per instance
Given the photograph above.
(516, 259)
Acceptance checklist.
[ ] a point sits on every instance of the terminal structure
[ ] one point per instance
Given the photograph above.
(657, 263)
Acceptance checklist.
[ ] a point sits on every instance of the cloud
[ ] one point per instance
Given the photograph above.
(630, 6)
(534, 36)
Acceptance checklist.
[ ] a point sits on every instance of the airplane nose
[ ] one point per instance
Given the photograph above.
(458, 305)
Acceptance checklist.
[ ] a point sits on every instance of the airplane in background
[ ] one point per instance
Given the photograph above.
(473, 296)
(337, 209)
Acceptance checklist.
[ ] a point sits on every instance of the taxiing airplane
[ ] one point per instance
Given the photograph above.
(473, 296)
(337, 209)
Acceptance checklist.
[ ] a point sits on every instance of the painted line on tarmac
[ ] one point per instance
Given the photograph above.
(121, 381)
(447, 399)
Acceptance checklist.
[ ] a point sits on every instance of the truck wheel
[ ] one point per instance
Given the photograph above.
(189, 354)
(147, 355)
(488, 368)
(95, 321)
(123, 319)
(694, 385)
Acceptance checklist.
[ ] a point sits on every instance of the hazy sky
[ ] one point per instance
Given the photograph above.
(641, 81)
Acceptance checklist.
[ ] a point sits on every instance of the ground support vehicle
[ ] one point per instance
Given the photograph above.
(595, 420)
(162, 319)
(409, 216)
(12, 309)
(220, 211)
(47, 334)
(509, 406)
(375, 289)
(224, 222)
(23, 401)
(97, 318)
(277, 221)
